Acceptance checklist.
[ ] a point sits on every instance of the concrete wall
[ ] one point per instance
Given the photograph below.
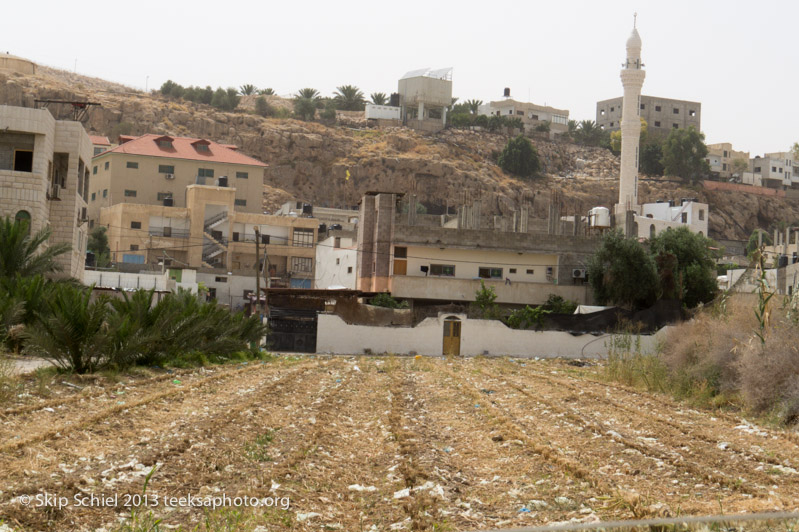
(382, 112)
(17, 64)
(126, 280)
(432, 92)
(478, 337)
(336, 266)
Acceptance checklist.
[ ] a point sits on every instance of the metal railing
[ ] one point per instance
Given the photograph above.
(172, 232)
(213, 219)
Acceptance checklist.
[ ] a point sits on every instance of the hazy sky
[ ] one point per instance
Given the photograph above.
(740, 59)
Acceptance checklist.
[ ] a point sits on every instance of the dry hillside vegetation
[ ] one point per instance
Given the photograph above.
(309, 161)
(385, 444)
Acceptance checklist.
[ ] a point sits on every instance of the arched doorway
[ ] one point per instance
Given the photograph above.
(24, 216)
(452, 336)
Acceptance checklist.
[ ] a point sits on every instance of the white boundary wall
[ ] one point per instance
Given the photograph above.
(478, 337)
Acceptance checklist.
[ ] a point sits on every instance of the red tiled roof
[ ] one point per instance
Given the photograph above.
(183, 148)
(99, 140)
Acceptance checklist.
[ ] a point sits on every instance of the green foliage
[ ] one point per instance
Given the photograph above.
(267, 91)
(247, 89)
(695, 271)
(519, 157)
(684, 153)
(311, 94)
(305, 103)
(543, 127)
(587, 133)
(349, 98)
(473, 105)
(379, 98)
(384, 299)
(751, 246)
(328, 115)
(98, 244)
(622, 273)
(615, 137)
(650, 161)
(262, 107)
(123, 128)
(484, 304)
(224, 99)
(558, 305)
(20, 253)
(527, 317)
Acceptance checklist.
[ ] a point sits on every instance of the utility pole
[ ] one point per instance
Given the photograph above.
(257, 270)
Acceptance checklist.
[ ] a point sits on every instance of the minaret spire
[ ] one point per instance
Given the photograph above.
(635, 20)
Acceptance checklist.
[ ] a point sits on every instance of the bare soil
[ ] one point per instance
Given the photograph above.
(385, 443)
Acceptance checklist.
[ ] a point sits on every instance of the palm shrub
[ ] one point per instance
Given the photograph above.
(74, 333)
(349, 98)
(20, 253)
(22, 300)
(379, 98)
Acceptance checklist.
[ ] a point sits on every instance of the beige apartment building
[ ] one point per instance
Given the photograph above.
(532, 115)
(157, 169)
(721, 157)
(45, 178)
(213, 236)
(661, 114)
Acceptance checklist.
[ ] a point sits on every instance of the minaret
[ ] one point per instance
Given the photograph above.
(632, 78)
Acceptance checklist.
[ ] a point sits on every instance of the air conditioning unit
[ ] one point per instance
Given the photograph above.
(169, 176)
(578, 273)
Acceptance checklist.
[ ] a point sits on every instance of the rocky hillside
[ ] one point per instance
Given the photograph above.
(311, 161)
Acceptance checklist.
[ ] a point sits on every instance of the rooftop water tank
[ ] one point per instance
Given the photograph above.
(599, 217)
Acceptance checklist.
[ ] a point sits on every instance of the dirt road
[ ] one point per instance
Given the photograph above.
(379, 444)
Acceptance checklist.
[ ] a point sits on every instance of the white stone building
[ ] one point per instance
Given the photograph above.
(44, 178)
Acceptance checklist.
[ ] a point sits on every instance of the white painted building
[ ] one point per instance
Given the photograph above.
(336, 262)
(382, 112)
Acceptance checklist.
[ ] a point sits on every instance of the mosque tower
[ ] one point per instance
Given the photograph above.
(632, 78)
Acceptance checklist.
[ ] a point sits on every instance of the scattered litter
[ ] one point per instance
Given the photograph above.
(487, 392)
(447, 449)
(176, 381)
(538, 504)
(524, 510)
(563, 501)
(275, 486)
(304, 517)
(338, 380)
(356, 368)
(65, 383)
(358, 487)
(723, 445)
(477, 405)
(48, 409)
(401, 494)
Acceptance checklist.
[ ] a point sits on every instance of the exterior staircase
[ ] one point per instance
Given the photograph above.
(214, 246)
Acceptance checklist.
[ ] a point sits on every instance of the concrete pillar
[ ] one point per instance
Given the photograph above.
(385, 205)
(366, 243)
(421, 111)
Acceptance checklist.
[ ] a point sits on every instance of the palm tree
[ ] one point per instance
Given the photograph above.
(247, 89)
(349, 98)
(379, 98)
(308, 93)
(267, 92)
(588, 133)
(20, 253)
(474, 105)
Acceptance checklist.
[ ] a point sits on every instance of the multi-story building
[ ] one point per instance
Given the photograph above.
(661, 114)
(722, 160)
(532, 115)
(100, 144)
(773, 170)
(150, 169)
(45, 178)
(789, 165)
(337, 260)
(426, 263)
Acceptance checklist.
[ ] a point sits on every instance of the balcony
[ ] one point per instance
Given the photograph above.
(169, 232)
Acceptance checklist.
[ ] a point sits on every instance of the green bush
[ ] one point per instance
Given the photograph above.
(384, 299)
(558, 305)
(519, 157)
(263, 108)
(484, 302)
(527, 317)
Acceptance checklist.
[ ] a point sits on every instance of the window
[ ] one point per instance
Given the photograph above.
(240, 202)
(163, 143)
(530, 272)
(23, 216)
(692, 113)
(611, 124)
(684, 218)
(490, 273)
(338, 261)
(94, 170)
(131, 258)
(166, 169)
(724, 167)
(23, 161)
(205, 172)
(349, 269)
(757, 168)
(135, 225)
(520, 113)
(643, 106)
(612, 109)
(301, 264)
(602, 112)
(131, 164)
(701, 214)
(105, 192)
(302, 238)
(94, 195)
(235, 236)
(220, 279)
(676, 126)
(242, 175)
(512, 270)
(657, 108)
(164, 195)
(652, 231)
(444, 270)
(337, 243)
(247, 293)
(676, 111)
(725, 153)
(107, 164)
(98, 151)
(201, 147)
(773, 168)
(400, 252)
(167, 231)
(128, 193)
(134, 247)
(657, 124)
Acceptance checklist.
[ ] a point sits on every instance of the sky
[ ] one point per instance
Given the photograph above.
(739, 59)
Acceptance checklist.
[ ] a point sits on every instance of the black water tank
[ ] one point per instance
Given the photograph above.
(307, 209)
(169, 202)
(393, 100)
(223, 181)
(90, 259)
(507, 92)
(322, 228)
(334, 227)
(783, 261)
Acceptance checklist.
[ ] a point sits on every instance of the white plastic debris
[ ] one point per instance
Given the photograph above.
(358, 487)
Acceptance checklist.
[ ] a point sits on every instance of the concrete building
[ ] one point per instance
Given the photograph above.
(100, 144)
(12, 63)
(212, 235)
(773, 170)
(337, 261)
(645, 221)
(424, 96)
(426, 263)
(45, 178)
(722, 160)
(661, 114)
(157, 169)
(531, 115)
